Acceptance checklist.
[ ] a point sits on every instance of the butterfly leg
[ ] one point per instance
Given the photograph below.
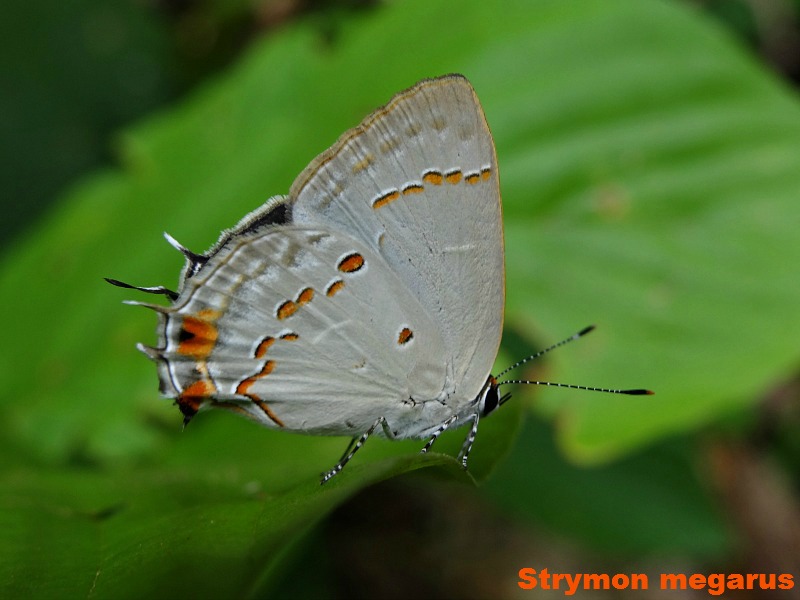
(352, 449)
(442, 428)
(467, 447)
(347, 450)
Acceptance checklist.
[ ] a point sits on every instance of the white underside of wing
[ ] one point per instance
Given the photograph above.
(417, 183)
(303, 344)
(375, 289)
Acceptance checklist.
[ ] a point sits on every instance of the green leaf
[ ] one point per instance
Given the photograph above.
(652, 503)
(651, 190)
(95, 534)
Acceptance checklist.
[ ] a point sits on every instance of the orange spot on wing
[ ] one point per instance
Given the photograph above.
(264, 346)
(286, 310)
(243, 389)
(472, 178)
(453, 176)
(305, 296)
(486, 173)
(351, 263)
(334, 288)
(198, 334)
(266, 369)
(203, 388)
(433, 177)
(191, 398)
(405, 336)
(194, 396)
(413, 188)
(385, 199)
(244, 385)
(289, 337)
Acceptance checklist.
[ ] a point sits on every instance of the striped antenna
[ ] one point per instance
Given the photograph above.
(572, 338)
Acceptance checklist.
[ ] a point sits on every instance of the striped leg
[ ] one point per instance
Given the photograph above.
(348, 454)
(442, 428)
(467, 447)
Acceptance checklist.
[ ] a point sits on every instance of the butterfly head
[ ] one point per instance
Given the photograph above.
(490, 398)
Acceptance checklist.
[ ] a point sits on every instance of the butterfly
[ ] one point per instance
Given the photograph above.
(369, 300)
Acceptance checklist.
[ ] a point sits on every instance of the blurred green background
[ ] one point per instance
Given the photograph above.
(650, 167)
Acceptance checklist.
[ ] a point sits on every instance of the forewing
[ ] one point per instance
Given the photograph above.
(416, 182)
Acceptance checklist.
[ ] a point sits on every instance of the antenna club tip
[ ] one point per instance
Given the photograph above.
(586, 330)
(639, 392)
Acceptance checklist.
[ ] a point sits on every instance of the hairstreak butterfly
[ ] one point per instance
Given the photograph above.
(367, 300)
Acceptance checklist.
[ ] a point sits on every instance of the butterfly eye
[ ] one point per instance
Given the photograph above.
(491, 400)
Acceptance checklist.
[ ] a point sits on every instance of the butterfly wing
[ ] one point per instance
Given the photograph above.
(416, 182)
(375, 289)
(303, 329)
